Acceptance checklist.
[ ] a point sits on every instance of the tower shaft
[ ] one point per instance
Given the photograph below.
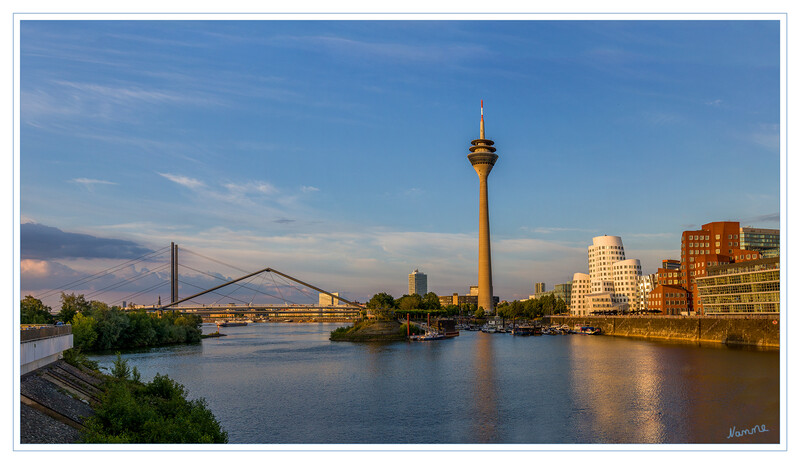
(483, 158)
(485, 291)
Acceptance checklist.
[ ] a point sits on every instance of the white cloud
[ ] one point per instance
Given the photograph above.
(187, 182)
(309, 188)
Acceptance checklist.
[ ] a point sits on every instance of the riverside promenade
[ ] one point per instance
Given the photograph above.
(763, 331)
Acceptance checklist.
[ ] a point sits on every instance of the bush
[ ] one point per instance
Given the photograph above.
(155, 412)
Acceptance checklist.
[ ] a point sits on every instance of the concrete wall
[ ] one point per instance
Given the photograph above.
(757, 331)
(41, 347)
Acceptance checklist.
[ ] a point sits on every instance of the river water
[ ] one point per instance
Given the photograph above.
(287, 383)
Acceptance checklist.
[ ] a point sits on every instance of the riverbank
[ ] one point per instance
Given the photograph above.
(371, 331)
(751, 331)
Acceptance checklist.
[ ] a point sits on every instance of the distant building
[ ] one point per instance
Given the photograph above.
(562, 291)
(461, 300)
(766, 241)
(417, 283)
(538, 287)
(747, 287)
(327, 300)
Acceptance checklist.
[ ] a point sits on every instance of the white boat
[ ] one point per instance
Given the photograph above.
(427, 336)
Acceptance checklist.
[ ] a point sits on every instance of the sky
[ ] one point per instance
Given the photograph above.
(336, 151)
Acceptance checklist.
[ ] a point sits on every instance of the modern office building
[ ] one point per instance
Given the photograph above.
(482, 158)
(559, 291)
(327, 300)
(461, 300)
(747, 287)
(714, 244)
(765, 241)
(538, 287)
(417, 283)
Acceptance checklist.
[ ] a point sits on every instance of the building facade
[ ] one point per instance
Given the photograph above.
(417, 283)
(670, 300)
(747, 287)
(765, 241)
(538, 287)
(581, 286)
(327, 300)
(612, 279)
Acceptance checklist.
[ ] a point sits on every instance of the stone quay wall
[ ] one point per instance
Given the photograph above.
(751, 330)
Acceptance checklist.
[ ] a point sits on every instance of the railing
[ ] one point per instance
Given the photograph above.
(30, 333)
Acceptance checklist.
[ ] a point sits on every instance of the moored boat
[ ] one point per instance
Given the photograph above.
(231, 324)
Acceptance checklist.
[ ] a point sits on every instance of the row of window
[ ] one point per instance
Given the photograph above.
(740, 288)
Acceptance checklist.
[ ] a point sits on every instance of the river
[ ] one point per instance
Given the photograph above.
(287, 383)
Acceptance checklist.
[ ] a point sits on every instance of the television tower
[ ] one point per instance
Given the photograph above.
(483, 158)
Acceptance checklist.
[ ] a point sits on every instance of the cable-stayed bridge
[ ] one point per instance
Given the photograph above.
(137, 283)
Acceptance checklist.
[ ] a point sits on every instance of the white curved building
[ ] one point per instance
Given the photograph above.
(612, 279)
(580, 288)
(626, 276)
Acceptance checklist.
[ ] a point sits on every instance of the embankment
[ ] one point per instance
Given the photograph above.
(755, 331)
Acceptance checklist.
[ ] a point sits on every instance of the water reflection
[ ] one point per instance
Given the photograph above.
(287, 383)
(484, 427)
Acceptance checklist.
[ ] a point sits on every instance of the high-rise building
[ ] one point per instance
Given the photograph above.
(482, 158)
(417, 283)
(748, 287)
(765, 241)
(538, 287)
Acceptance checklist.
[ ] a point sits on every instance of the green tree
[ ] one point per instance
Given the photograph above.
(409, 302)
(479, 313)
(72, 304)
(33, 311)
(381, 301)
(84, 332)
(431, 301)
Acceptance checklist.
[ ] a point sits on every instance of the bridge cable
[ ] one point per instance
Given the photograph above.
(212, 259)
(224, 280)
(231, 293)
(125, 282)
(197, 286)
(141, 292)
(102, 273)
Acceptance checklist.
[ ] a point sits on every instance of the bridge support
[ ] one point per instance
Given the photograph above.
(173, 275)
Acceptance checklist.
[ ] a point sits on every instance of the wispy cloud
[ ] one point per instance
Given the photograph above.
(309, 188)
(184, 181)
(716, 102)
(90, 183)
(774, 218)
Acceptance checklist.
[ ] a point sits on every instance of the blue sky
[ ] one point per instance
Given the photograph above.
(336, 150)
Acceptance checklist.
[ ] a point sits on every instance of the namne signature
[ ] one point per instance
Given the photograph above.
(751, 431)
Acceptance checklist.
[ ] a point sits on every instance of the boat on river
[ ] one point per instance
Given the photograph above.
(426, 337)
(231, 324)
(526, 330)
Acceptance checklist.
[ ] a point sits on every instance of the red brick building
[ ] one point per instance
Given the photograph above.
(671, 300)
(715, 243)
